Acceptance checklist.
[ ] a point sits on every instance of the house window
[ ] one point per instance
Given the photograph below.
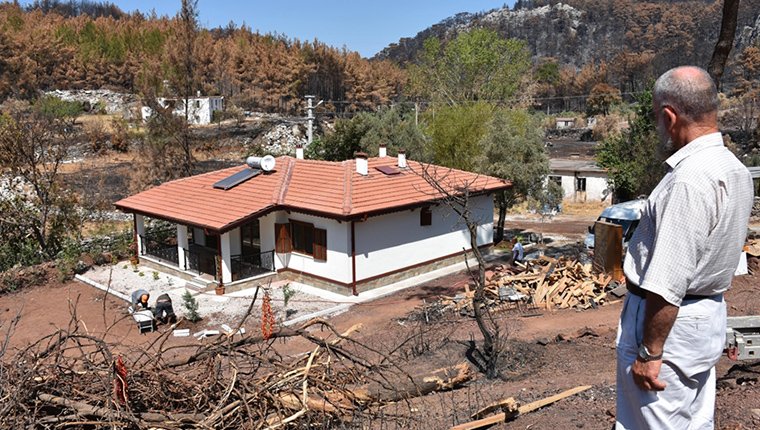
(249, 239)
(212, 241)
(556, 179)
(426, 216)
(197, 103)
(580, 184)
(303, 238)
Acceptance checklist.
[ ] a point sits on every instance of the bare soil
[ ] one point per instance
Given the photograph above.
(549, 351)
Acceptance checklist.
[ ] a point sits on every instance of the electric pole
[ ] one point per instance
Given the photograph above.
(310, 117)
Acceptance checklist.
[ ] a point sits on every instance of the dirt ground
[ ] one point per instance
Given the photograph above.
(549, 351)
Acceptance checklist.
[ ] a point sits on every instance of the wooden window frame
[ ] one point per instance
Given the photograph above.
(314, 238)
(426, 216)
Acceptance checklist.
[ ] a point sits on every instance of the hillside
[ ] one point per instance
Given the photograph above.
(59, 48)
(627, 34)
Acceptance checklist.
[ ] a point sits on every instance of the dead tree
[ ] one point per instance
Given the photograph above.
(725, 40)
(456, 194)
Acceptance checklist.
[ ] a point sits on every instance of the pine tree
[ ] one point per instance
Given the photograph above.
(191, 306)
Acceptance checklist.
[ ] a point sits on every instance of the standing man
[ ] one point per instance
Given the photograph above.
(518, 252)
(680, 261)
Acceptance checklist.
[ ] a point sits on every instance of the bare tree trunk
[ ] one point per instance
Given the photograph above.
(189, 17)
(725, 40)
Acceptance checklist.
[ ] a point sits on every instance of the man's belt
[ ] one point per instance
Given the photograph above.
(637, 291)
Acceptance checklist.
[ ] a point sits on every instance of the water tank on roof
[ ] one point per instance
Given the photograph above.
(265, 163)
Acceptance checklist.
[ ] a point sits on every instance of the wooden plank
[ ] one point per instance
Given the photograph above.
(479, 424)
(530, 407)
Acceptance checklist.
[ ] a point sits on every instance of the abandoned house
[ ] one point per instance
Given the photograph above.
(347, 226)
(201, 109)
(581, 180)
(563, 123)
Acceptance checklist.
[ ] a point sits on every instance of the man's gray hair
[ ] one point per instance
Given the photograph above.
(689, 90)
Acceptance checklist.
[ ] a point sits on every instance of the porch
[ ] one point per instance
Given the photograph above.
(224, 258)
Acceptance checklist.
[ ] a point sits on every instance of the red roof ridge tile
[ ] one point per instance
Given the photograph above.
(282, 188)
(347, 188)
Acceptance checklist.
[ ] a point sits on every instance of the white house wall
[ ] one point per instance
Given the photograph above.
(338, 264)
(596, 185)
(394, 241)
(201, 109)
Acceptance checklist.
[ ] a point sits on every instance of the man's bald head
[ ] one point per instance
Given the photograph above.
(690, 91)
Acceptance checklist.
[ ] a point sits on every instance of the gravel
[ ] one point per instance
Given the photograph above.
(215, 310)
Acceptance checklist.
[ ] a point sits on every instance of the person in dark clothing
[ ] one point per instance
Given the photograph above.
(140, 297)
(164, 311)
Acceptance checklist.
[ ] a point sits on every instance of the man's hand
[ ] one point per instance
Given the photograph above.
(645, 375)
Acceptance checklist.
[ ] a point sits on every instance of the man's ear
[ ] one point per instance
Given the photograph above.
(670, 116)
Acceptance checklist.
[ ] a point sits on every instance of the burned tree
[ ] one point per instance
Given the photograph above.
(455, 192)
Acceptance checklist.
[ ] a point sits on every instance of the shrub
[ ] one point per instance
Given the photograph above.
(287, 293)
(191, 306)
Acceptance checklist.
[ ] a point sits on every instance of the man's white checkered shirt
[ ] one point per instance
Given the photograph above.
(694, 224)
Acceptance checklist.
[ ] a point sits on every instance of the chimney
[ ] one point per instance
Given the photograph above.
(198, 93)
(401, 159)
(299, 151)
(362, 166)
(383, 150)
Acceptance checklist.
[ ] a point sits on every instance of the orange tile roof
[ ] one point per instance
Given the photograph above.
(329, 189)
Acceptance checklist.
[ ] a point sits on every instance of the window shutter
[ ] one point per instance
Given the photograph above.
(426, 216)
(320, 244)
(283, 244)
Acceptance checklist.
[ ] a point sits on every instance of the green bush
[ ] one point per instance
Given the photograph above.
(191, 306)
(67, 259)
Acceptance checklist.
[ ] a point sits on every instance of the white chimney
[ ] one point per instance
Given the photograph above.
(362, 167)
(199, 93)
(383, 150)
(299, 151)
(401, 159)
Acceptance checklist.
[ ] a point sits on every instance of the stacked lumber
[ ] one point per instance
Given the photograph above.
(546, 282)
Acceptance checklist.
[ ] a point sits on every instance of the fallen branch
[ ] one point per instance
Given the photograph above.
(512, 414)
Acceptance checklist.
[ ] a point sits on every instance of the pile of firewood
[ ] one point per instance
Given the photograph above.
(544, 283)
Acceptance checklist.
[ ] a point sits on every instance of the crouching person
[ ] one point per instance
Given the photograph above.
(140, 297)
(164, 311)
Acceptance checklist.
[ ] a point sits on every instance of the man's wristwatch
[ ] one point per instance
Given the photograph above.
(645, 355)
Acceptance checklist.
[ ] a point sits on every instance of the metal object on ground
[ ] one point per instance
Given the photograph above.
(743, 338)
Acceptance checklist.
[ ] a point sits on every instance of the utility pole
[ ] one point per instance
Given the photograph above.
(310, 117)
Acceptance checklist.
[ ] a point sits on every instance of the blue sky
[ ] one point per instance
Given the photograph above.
(360, 25)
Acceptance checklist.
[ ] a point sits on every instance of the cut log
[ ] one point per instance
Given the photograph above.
(419, 385)
(508, 406)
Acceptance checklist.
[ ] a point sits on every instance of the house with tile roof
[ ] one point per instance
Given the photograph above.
(347, 226)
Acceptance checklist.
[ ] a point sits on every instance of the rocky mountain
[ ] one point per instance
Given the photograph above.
(576, 32)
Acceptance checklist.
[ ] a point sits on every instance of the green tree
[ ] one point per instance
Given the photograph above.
(36, 213)
(456, 132)
(632, 160)
(513, 149)
(477, 65)
(393, 127)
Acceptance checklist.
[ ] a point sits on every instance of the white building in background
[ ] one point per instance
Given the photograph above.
(581, 180)
(201, 109)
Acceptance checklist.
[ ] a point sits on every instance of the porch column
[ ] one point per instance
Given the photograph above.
(226, 254)
(182, 245)
(140, 229)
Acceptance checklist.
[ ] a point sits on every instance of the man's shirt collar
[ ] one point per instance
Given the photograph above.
(696, 145)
